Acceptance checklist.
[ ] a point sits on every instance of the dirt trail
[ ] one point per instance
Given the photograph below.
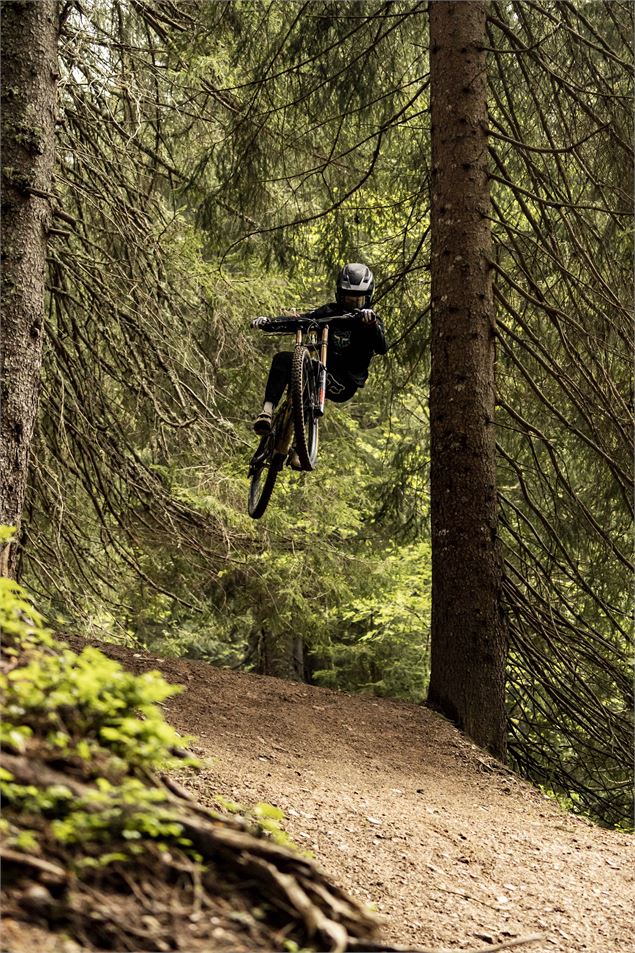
(407, 814)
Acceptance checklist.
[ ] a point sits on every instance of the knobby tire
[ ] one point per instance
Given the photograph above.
(260, 489)
(303, 385)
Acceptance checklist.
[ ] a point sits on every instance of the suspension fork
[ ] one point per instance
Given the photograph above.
(322, 374)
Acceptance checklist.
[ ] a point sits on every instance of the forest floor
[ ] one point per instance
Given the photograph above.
(405, 813)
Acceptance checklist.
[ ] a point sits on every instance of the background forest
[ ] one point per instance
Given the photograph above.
(218, 161)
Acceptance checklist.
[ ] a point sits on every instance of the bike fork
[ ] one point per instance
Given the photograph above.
(322, 374)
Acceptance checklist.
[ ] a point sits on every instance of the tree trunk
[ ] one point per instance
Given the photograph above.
(29, 79)
(469, 636)
(281, 656)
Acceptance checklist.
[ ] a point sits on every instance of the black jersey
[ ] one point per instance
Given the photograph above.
(352, 344)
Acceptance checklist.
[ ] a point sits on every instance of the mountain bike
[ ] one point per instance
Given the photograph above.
(295, 424)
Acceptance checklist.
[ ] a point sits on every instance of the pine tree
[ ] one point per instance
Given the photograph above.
(467, 680)
(29, 76)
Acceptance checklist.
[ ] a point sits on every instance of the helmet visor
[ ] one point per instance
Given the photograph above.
(353, 300)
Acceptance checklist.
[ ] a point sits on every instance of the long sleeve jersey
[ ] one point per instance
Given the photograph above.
(351, 345)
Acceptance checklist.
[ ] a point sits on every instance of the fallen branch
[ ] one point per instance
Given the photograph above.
(30, 771)
(365, 946)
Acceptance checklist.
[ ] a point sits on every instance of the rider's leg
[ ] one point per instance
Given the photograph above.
(339, 388)
(279, 375)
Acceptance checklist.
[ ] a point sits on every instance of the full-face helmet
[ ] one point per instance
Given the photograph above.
(355, 281)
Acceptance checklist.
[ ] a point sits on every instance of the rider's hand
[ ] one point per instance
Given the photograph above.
(260, 322)
(367, 315)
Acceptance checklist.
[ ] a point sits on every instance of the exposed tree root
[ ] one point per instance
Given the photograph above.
(139, 906)
(52, 871)
(153, 904)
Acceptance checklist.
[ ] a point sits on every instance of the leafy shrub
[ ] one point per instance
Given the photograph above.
(101, 723)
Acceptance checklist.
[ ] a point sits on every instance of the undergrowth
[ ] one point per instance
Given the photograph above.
(82, 712)
(100, 840)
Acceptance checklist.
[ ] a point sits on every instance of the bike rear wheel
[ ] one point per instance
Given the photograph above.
(305, 420)
(263, 480)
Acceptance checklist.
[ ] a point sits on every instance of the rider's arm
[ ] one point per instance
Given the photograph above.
(270, 324)
(374, 328)
(273, 324)
(377, 328)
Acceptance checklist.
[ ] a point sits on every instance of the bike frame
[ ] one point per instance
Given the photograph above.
(274, 447)
(282, 429)
(283, 420)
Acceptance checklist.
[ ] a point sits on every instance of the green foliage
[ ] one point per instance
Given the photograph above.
(265, 817)
(106, 727)
(232, 181)
(128, 810)
(21, 625)
(88, 705)
(269, 819)
(380, 641)
(85, 711)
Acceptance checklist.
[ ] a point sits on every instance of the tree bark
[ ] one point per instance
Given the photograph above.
(281, 655)
(469, 636)
(29, 80)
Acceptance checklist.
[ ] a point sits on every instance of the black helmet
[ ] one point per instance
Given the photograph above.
(355, 279)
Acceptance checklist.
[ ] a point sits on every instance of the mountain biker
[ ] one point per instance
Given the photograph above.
(351, 343)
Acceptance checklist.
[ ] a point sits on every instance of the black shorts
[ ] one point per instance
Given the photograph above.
(339, 386)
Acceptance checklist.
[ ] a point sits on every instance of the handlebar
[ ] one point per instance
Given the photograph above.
(290, 324)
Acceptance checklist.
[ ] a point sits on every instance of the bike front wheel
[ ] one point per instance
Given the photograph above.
(263, 480)
(305, 419)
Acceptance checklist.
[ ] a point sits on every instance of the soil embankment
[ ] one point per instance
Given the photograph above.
(405, 813)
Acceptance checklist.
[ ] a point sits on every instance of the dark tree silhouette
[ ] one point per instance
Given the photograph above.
(468, 630)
